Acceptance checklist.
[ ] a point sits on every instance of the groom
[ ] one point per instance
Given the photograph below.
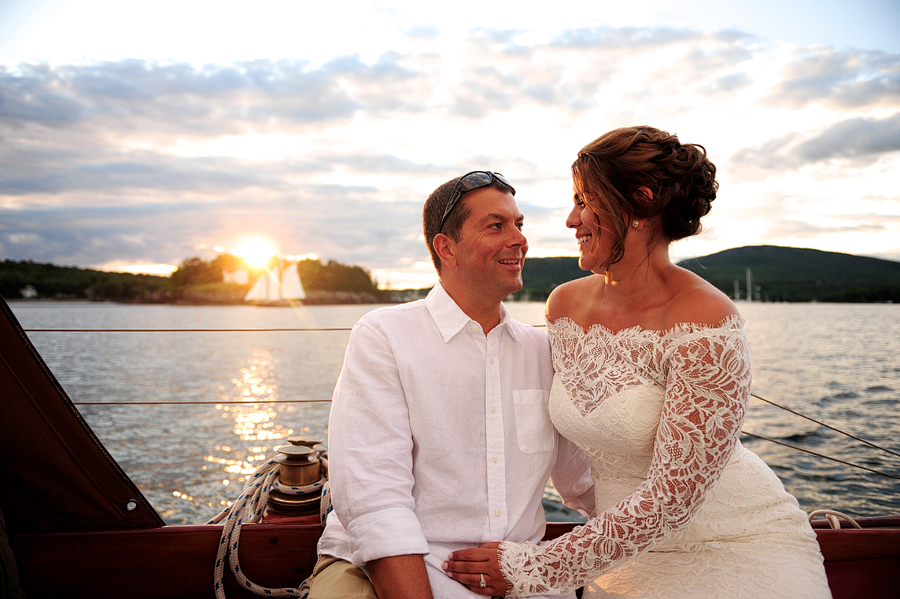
(439, 437)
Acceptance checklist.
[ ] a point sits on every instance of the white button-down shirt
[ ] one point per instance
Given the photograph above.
(440, 438)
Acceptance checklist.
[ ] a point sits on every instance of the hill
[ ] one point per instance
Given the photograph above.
(781, 274)
(787, 274)
(541, 275)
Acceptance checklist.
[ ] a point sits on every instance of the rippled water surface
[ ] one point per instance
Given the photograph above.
(837, 363)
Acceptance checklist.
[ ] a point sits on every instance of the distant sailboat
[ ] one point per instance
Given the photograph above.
(277, 287)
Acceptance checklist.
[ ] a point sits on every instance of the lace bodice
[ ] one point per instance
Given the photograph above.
(660, 414)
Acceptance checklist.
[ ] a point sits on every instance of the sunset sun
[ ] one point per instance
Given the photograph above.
(255, 252)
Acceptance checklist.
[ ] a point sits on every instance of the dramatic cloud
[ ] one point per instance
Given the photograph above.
(863, 141)
(848, 79)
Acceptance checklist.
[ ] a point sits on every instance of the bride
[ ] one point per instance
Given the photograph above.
(652, 382)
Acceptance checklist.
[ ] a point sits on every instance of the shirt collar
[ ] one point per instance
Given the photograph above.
(450, 319)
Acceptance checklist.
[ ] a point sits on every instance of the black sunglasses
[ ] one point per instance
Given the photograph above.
(471, 182)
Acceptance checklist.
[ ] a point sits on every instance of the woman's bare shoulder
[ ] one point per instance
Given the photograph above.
(698, 301)
(568, 298)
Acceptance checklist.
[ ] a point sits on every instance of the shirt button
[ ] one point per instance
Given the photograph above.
(497, 512)
(495, 459)
(492, 360)
(493, 408)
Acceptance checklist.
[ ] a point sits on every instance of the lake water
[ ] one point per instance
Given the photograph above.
(837, 363)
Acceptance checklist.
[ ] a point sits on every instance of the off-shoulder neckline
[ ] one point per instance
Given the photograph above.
(682, 327)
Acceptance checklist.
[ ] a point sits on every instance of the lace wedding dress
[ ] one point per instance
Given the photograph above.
(683, 510)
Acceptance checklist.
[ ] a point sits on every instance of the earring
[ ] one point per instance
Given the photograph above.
(635, 223)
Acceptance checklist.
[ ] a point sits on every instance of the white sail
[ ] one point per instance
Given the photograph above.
(265, 289)
(268, 289)
(291, 286)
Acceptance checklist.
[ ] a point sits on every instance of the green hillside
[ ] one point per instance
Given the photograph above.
(777, 274)
(800, 275)
(541, 275)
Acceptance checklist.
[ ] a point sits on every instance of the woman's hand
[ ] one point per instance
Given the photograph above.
(478, 569)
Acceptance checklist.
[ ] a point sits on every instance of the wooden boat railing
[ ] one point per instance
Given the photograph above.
(176, 562)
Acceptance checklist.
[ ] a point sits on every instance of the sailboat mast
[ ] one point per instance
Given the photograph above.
(749, 288)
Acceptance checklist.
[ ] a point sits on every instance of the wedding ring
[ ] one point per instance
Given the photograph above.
(482, 584)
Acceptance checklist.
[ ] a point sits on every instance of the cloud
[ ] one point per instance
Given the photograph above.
(338, 222)
(841, 79)
(184, 99)
(145, 161)
(861, 140)
(797, 229)
(140, 170)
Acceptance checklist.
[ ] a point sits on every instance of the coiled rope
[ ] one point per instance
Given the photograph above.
(249, 507)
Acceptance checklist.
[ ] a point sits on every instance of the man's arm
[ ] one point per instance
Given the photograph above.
(371, 449)
(571, 476)
(400, 577)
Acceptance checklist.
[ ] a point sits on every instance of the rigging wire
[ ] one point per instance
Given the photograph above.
(279, 330)
(819, 455)
(232, 330)
(870, 444)
(194, 403)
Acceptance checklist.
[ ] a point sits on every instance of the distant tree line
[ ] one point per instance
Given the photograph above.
(194, 281)
(777, 274)
(315, 275)
(69, 282)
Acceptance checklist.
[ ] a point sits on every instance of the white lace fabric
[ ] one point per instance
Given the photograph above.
(705, 372)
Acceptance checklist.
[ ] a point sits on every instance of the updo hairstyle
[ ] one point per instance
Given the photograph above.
(610, 169)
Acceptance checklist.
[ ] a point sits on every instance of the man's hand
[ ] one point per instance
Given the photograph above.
(472, 566)
(400, 577)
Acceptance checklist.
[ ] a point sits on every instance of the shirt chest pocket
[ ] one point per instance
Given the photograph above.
(534, 430)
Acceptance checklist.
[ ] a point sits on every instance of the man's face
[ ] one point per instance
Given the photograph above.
(491, 249)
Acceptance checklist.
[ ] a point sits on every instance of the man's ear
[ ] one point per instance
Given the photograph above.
(445, 248)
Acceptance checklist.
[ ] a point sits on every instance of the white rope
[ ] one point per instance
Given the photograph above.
(249, 507)
(833, 518)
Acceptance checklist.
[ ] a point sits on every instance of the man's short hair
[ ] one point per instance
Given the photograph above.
(434, 210)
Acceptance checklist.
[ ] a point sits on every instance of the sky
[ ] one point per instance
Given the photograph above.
(135, 135)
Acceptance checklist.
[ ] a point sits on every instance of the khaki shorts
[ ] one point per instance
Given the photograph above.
(335, 578)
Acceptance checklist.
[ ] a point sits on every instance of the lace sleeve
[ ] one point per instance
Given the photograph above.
(707, 390)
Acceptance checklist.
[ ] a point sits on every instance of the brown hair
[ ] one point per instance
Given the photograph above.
(434, 210)
(610, 169)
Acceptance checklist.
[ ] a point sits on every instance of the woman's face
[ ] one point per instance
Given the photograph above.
(593, 234)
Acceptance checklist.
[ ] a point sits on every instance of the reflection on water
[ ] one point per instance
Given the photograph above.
(836, 363)
(254, 421)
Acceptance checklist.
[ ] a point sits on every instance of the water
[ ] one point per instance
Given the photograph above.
(837, 363)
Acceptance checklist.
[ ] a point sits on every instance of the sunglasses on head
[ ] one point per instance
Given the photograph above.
(471, 182)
